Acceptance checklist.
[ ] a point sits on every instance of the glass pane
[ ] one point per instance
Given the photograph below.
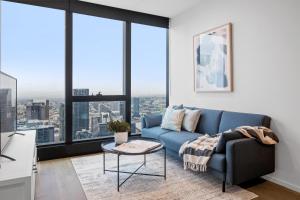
(33, 51)
(98, 55)
(148, 71)
(90, 118)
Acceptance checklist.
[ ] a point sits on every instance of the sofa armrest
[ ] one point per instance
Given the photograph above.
(151, 120)
(247, 159)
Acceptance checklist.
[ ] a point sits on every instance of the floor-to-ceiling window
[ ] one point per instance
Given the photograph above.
(80, 65)
(98, 70)
(148, 71)
(33, 51)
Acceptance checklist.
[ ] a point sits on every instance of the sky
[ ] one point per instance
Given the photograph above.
(33, 51)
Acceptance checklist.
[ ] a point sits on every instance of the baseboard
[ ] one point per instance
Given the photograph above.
(283, 183)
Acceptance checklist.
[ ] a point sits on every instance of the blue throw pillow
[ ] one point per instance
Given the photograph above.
(227, 136)
(177, 107)
(152, 120)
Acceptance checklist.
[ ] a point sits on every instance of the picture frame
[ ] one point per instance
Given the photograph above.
(212, 54)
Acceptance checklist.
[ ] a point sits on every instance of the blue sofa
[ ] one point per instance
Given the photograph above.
(241, 160)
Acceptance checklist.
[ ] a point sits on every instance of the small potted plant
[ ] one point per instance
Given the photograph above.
(120, 130)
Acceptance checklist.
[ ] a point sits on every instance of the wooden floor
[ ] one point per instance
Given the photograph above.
(57, 180)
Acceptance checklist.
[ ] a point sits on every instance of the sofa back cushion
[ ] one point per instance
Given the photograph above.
(232, 120)
(152, 120)
(190, 120)
(172, 119)
(209, 121)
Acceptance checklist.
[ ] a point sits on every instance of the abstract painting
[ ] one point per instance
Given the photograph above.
(213, 60)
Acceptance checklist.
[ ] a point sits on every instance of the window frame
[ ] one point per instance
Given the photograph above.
(70, 147)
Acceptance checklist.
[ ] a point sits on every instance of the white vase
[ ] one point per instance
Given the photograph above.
(121, 137)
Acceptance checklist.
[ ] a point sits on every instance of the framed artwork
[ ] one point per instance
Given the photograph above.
(213, 60)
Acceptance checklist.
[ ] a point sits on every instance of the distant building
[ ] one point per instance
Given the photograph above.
(103, 108)
(133, 128)
(7, 111)
(105, 117)
(80, 113)
(62, 122)
(83, 134)
(122, 109)
(136, 107)
(37, 110)
(45, 134)
(114, 105)
(95, 121)
(80, 92)
(103, 130)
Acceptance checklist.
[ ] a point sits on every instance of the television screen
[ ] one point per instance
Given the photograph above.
(8, 107)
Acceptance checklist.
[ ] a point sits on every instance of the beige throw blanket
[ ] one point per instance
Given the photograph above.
(197, 153)
(262, 134)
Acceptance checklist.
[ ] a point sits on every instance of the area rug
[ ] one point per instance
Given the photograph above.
(180, 184)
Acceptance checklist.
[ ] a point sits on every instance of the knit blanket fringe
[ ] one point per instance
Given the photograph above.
(197, 153)
(194, 167)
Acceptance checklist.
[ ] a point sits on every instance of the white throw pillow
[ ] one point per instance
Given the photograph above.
(191, 119)
(173, 119)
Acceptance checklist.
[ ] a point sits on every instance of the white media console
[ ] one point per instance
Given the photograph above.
(17, 178)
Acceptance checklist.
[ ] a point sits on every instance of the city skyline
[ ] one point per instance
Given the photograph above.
(89, 118)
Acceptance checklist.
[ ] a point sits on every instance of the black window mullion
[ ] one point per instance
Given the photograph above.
(118, 14)
(127, 81)
(167, 68)
(99, 98)
(69, 74)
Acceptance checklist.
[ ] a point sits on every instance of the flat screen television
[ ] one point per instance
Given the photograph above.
(8, 110)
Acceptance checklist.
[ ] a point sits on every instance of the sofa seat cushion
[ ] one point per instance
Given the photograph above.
(153, 132)
(217, 162)
(173, 140)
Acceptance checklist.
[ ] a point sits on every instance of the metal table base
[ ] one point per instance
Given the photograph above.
(135, 172)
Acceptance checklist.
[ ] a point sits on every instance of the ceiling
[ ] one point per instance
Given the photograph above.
(165, 8)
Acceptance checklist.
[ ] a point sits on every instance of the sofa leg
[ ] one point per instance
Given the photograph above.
(223, 186)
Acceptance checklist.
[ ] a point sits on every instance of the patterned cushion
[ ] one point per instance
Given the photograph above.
(172, 119)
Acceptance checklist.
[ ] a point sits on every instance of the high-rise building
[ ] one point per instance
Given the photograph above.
(45, 134)
(80, 92)
(103, 108)
(136, 107)
(6, 110)
(62, 122)
(95, 121)
(103, 130)
(133, 127)
(83, 134)
(80, 112)
(37, 110)
(105, 117)
(122, 109)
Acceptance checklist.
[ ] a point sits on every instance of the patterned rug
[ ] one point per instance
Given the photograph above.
(180, 184)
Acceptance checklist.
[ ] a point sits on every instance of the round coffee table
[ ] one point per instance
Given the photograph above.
(108, 147)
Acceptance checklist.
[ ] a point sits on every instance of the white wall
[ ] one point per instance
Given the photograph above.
(266, 51)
